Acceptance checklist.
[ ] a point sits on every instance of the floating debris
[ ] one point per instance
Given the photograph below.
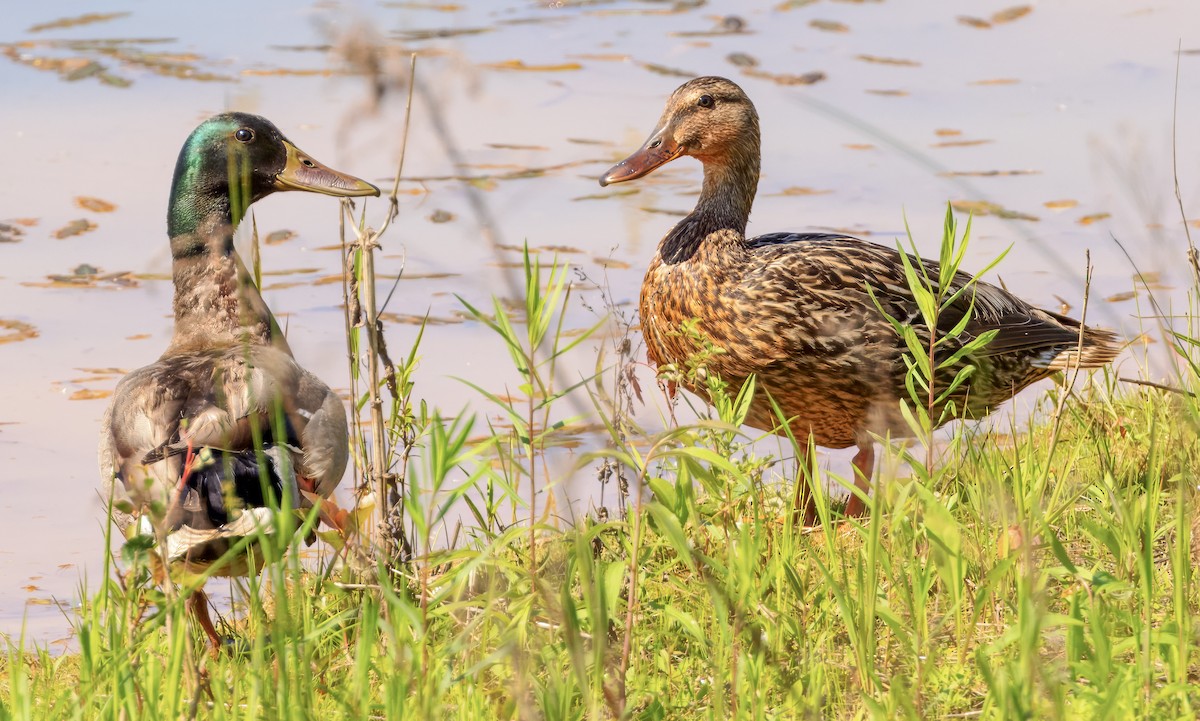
(742, 60)
(11, 233)
(983, 207)
(94, 204)
(433, 34)
(78, 20)
(521, 65)
(86, 275)
(889, 93)
(88, 394)
(1094, 218)
(275, 237)
(786, 79)
(613, 194)
(12, 331)
(986, 173)
(901, 62)
(665, 211)
(668, 71)
(859, 146)
(441, 216)
(829, 26)
(973, 22)
(728, 25)
(1008, 15)
(1122, 296)
(795, 190)
(959, 143)
(514, 146)
(947, 132)
(995, 81)
(1060, 204)
(75, 227)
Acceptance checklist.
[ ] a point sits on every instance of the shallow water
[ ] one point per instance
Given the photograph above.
(1063, 113)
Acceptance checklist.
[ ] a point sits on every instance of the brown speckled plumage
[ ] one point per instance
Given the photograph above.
(793, 308)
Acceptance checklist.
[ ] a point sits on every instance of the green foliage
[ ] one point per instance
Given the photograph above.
(1043, 575)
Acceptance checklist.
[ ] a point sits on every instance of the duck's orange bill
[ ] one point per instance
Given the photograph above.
(302, 172)
(659, 150)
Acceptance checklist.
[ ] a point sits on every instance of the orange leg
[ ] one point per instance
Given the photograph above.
(198, 603)
(864, 466)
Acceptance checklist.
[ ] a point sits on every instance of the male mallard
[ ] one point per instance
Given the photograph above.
(794, 309)
(180, 433)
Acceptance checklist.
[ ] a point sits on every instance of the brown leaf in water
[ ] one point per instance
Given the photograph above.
(1093, 218)
(888, 61)
(513, 146)
(10, 233)
(588, 141)
(668, 71)
(75, 227)
(441, 216)
(559, 249)
(987, 173)
(1060, 204)
(742, 60)
(947, 132)
(439, 33)
(974, 22)
(70, 22)
(30, 588)
(829, 26)
(290, 72)
(959, 143)
(614, 194)
(665, 211)
(787, 79)
(110, 371)
(88, 394)
(859, 146)
(1123, 296)
(983, 207)
(793, 190)
(520, 65)
(889, 93)
(276, 237)
(995, 81)
(1007, 15)
(94, 204)
(138, 336)
(27, 222)
(17, 331)
(790, 5)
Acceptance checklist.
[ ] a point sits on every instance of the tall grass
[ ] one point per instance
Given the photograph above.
(1044, 574)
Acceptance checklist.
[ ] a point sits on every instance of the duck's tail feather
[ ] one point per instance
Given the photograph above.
(1097, 348)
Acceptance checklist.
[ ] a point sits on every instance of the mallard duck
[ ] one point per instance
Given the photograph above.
(793, 309)
(177, 444)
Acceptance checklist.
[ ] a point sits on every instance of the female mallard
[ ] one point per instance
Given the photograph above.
(794, 309)
(179, 435)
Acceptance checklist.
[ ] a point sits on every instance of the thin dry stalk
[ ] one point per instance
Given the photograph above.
(388, 493)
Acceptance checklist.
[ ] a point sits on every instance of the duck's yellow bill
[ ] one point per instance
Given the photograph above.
(302, 172)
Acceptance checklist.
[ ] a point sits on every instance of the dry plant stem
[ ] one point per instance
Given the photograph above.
(1062, 399)
(353, 319)
(1192, 254)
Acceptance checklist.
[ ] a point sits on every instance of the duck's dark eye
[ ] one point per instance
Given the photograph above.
(245, 135)
(706, 101)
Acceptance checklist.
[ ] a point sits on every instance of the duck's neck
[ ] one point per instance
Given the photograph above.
(726, 197)
(216, 300)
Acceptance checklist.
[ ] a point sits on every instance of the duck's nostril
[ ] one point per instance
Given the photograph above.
(308, 163)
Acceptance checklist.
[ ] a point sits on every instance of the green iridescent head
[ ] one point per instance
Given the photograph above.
(234, 159)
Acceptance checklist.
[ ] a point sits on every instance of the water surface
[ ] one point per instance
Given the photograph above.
(1061, 115)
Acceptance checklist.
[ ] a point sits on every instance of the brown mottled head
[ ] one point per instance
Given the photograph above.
(708, 118)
